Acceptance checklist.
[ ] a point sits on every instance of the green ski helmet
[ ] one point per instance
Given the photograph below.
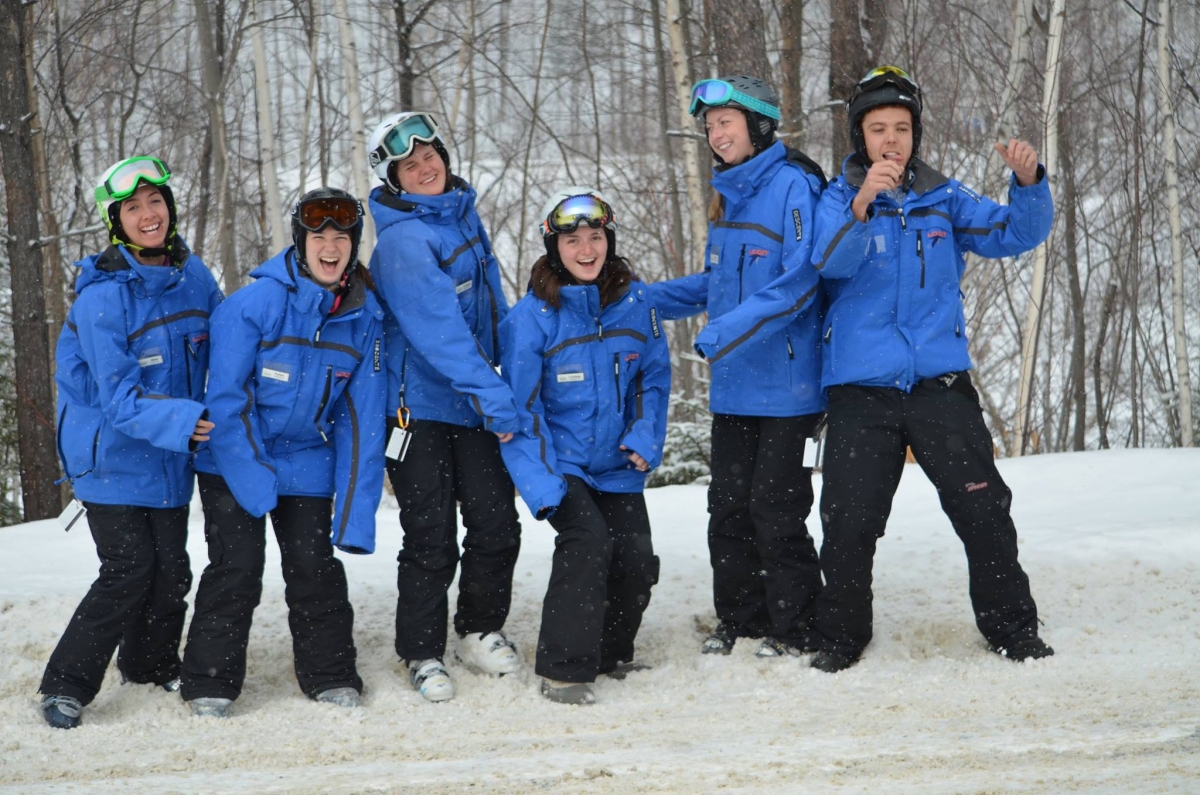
(120, 182)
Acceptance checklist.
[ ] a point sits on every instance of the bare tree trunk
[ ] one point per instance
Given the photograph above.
(698, 218)
(35, 402)
(212, 80)
(310, 30)
(1186, 435)
(358, 135)
(405, 66)
(1050, 112)
(851, 55)
(791, 23)
(737, 32)
(266, 136)
(1077, 376)
(1106, 309)
(52, 251)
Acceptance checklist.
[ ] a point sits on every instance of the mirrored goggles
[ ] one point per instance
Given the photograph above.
(316, 214)
(122, 183)
(571, 212)
(885, 75)
(403, 138)
(715, 93)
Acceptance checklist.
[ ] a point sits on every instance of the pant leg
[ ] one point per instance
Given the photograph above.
(319, 611)
(125, 546)
(953, 446)
(424, 486)
(632, 572)
(781, 496)
(149, 650)
(493, 532)
(214, 661)
(738, 592)
(573, 610)
(864, 459)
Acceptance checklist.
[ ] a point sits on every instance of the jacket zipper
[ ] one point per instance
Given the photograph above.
(324, 400)
(791, 353)
(617, 379)
(921, 254)
(741, 262)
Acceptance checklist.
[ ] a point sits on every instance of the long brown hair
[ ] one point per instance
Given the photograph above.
(548, 279)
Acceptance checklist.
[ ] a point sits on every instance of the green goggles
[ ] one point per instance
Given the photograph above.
(123, 179)
(404, 137)
(568, 214)
(715, 93)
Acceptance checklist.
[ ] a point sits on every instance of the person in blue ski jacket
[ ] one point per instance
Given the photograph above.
(131, 364)
(891, 233)
(297, 391)
(448, 409)
(763, 343)
(585, 352)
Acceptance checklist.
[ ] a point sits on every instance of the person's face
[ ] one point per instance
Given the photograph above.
(728, 134)
(145, 217)
(327, 253)
(583, 252)
(422, 172)
(888, 134)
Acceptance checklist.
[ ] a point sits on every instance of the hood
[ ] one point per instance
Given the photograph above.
(117, 263)
(739, 183)
(307, 294)
(389, 209)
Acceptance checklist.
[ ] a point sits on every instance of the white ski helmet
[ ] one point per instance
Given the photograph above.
(396, 137)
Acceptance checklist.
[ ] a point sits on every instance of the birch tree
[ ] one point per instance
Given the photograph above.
(266, 135)
(358, 135)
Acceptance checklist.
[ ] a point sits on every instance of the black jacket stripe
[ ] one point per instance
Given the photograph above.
(833, 243)
(162, 321)
(754, 330)
(332, 346)
(778, 238)
(354, 442)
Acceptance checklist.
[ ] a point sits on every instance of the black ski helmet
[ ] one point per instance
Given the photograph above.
(761, 126)
(881, 87)
(299, 229)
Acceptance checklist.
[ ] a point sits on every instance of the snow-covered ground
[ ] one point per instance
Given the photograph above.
(1111, 542)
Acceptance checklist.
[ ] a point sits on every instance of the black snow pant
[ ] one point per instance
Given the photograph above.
(137, 602)
(604, 567)
(766, 573)
(319, 611)
(447, 464)
(869, 428)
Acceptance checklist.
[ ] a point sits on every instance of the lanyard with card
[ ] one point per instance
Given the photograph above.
(814, 448)
(401, 437)
(71, 516)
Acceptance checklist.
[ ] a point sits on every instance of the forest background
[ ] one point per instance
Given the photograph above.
(1086, 343)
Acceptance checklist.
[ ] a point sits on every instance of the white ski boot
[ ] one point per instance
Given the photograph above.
(491, 654)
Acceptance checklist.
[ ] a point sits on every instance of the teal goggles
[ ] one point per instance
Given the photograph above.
(404, 137)
(715, 93)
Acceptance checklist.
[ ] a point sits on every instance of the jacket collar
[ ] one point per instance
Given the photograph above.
(922, 177)
(581, 298)
(739, 183)
(446, 207)
(118, 263)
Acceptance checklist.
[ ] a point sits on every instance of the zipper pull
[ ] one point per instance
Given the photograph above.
(920, 250)
(791, 353)
(324, 438)
(903, 224)
(828, 334)
(599, 329)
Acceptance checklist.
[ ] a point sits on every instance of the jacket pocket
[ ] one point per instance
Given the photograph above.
(79, 440)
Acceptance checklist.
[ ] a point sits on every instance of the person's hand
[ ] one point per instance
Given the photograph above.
(503, 437)
(638, 462)
(1022, 159)
(203, 427)
(884, 175)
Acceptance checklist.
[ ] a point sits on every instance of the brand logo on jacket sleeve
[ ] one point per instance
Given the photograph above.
(377, 357)
(654, 322)
(798, 224)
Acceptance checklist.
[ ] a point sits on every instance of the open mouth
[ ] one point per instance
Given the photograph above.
(150, 230)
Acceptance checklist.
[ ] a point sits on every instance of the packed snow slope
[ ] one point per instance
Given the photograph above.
(1111, 541)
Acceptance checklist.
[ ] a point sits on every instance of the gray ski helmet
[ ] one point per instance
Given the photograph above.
(321, 207)
(881, 87)
(762, 126)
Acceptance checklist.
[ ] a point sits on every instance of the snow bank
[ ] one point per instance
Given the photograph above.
(1109, 539)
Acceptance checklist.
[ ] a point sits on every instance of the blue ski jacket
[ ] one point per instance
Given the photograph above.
(443, 299)
(131, 362)
(762, 340)
(589, 381)
(297, 395)
(895, 312)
